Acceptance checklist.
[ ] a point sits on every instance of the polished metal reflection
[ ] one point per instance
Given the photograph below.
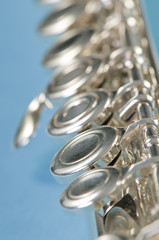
(82, 74)
(105, 45)
(49, 1)
(90, 149)
(62, 18)
(92, 187)
(68, 47)
(111, 237)
(72, 15)
(86, 110)
(30, 120)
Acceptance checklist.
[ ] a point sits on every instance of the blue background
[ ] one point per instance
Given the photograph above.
(29, 195)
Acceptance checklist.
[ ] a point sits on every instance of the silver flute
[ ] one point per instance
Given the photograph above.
(107, 80)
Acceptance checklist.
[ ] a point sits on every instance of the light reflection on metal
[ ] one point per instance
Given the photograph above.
(106, 60)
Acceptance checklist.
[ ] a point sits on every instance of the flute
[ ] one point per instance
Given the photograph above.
(107, 69)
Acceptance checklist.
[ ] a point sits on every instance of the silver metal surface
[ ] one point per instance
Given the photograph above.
(81, 112)
(30, 121)
(86, 149)
(49, 1)
(68, 47)
(62, 18)
(90, 188)
(111, 237)
(120, 161)
(77, 76)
